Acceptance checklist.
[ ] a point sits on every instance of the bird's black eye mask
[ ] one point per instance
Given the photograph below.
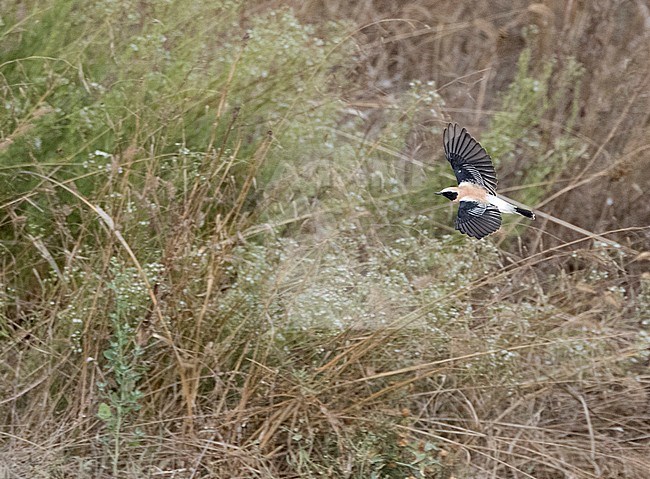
(450, 195)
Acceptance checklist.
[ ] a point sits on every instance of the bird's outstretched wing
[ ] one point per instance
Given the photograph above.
(477, 219)
(468, 158)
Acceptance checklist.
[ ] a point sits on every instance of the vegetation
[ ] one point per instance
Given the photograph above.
(221, 256)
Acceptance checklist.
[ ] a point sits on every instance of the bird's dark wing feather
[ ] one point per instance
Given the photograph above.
(477, 219)
(468, 158)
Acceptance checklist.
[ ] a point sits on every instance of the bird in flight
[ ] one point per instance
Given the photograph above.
(479, 208)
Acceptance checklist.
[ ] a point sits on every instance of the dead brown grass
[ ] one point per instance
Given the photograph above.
(471, 50)
(501, 391)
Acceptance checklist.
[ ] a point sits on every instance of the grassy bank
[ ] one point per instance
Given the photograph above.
(221, 255)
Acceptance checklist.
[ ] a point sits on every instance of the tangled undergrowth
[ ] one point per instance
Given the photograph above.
(223, 261)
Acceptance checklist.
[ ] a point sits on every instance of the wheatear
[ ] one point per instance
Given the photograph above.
(479, 208)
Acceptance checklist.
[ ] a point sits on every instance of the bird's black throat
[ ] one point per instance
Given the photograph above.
(450, 195)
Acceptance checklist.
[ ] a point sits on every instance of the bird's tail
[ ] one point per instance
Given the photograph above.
(525, 212)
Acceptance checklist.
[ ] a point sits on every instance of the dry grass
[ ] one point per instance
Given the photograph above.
(470, 52)
(220, 300)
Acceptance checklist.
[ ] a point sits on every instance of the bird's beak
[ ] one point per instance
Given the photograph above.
(438, 192)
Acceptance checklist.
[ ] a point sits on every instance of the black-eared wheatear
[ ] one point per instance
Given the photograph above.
(479, 208)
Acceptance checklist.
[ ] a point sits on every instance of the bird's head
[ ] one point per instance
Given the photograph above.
(449, 193)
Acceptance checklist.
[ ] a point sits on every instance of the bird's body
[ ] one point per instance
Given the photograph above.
(470, 192)
(479, 210)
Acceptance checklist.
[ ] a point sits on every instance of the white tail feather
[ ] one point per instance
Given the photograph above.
(504, 206)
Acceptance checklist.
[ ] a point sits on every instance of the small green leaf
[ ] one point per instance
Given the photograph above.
(430, 446)
(104, 412)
